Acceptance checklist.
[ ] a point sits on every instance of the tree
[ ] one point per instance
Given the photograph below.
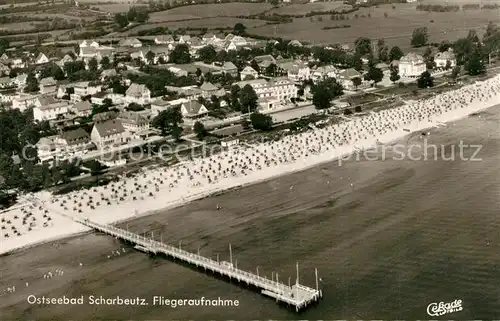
(54, 71)
(261, 122)
(356, 81)
(4, 45)
(207, 54)
(150, 57)
(444, 46)
(357, 109)
(199, 130)
(394, 74)
(419, 37)
(491, 39)
(356, 62)
(396, 53)
(375, 74)
(105, 63)
(168, 121)
(248, 99)
(463, 48)
(425, 80)
(363, 46)
(93, 65)
(31, 83)
(180, 54)
(472, 36)
(121, 20)
(382, 50)
(475, 64)
(455, 73)
(239, 29)
(324, 91)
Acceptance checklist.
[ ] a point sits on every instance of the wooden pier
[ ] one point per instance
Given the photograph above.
(296, 295)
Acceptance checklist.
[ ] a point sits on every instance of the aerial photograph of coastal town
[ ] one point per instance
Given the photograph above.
(249, 160)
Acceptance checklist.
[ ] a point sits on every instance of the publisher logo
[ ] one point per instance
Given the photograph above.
(441, 308)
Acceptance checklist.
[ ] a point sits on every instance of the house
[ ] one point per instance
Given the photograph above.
(108, 133)
(269, 103)
(8, 96)
(193, 109)
(84, 88)
(48, 85)
(24, 101)
(20, 80)
(74, 140)
(296, 70)
(229, 142)
(264, 61)
(208, 89)
(6, 82)
(108, 73)
(130, 42)
(345, 77)
(87, 53)
(17, 63)
(49, 108)
(134, 122)
(41, 59)
(248, 72)
(239, 41)
(82, 108)
(4, 70)
(447, 58)
(65, 59)
(324, 72)
(139, 94)
(411, 65)
(208, 37)
(229, 68)
(230, 46)
(295, 43)
(89, 43)
(161, 52)
(281, 88)
(158, 106)
(186, 39)
(164, 39)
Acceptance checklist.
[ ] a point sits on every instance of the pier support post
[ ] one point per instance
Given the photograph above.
(230, 255)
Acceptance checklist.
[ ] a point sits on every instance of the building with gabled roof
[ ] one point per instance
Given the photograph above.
(139, 94)
(108, 133)
(193, 109)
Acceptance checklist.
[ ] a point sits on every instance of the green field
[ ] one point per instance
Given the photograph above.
(396, 28)
(209, 11)
(304, 8)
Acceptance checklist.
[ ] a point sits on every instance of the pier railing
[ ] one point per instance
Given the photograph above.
(296, 295)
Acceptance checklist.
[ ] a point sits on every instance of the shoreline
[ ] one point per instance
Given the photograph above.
(123, 212)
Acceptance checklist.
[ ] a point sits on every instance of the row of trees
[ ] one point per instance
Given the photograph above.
(139, 15)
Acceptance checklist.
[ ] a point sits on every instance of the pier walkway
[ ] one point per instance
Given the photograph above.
(297, 295)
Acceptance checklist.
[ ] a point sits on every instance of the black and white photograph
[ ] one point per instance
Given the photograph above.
(249, 160)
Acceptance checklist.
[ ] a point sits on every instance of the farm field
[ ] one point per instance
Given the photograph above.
(116, 8)
(396, 29)
(209, 11)
(210, 23)
(304, 8)
(459, 2)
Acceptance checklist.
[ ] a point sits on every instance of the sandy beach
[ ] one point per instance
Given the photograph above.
(161, 188)
(405, 234)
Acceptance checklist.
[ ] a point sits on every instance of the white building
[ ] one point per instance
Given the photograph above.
(411, 65)
(41, 59)
(133, 122)
(49, 108)
(24, 101)
(108, 133)
(139, 94)
(248, 72)
(48, 85)
(443, 58)
(193, 109)
(280, 88)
